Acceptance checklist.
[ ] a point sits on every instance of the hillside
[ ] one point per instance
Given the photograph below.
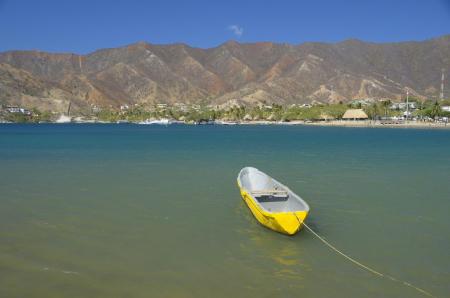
(245, 73)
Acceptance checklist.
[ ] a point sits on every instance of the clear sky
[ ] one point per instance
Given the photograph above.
(83, 26)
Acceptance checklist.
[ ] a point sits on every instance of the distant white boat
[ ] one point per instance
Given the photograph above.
(64, 119)
(220, 122)
(163, 121)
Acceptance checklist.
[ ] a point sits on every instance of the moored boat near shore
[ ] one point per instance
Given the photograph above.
(163, 121)
(273, 204)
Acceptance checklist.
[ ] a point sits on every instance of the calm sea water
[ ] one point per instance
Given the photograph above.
(151, 211)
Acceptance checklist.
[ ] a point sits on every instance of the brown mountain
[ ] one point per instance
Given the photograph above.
(232, 72)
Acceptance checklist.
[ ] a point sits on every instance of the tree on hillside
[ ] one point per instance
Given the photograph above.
(372, 111)
(386, 104)
(436, 110)
(432, 111)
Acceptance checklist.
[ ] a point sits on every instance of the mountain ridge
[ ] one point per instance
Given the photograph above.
(232, 72)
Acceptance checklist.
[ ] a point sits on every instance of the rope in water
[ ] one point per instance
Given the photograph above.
(366, 267)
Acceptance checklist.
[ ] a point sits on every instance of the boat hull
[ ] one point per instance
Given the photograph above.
(288, 223)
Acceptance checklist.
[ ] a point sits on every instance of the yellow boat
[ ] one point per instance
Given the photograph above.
(274, 205)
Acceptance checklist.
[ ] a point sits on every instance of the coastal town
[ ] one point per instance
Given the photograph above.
(363, 112)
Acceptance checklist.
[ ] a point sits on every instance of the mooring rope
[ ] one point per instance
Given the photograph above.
(364, 266)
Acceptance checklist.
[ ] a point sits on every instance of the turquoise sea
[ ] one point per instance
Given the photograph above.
(154, 211)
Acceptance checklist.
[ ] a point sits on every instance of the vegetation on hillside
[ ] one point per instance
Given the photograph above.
(274, 112)
(35, 117)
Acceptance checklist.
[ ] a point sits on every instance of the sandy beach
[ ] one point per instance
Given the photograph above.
(371, 123)
(361, 123)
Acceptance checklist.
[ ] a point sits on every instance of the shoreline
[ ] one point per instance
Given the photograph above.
(334, 123)
(378, 124)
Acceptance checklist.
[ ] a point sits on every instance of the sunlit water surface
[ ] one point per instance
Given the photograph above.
(154, 211)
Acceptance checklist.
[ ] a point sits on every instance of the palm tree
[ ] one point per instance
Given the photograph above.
(386, 104)
(436, 110)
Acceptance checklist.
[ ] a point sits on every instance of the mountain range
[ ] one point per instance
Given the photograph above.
(231, 73)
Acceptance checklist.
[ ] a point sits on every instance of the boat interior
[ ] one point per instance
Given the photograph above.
(270, 194)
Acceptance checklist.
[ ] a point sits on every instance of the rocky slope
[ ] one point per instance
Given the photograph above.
(230, 73)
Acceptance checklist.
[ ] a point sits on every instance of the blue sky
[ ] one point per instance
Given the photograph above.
(83, 26)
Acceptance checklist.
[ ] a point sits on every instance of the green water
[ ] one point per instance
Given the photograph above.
(149, 211)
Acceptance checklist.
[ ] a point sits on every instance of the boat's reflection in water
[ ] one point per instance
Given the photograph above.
(280, 257)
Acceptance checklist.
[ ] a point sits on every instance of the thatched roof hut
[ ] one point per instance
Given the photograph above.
(355, 114)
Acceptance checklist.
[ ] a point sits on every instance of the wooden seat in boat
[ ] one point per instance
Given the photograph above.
(270, 192)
